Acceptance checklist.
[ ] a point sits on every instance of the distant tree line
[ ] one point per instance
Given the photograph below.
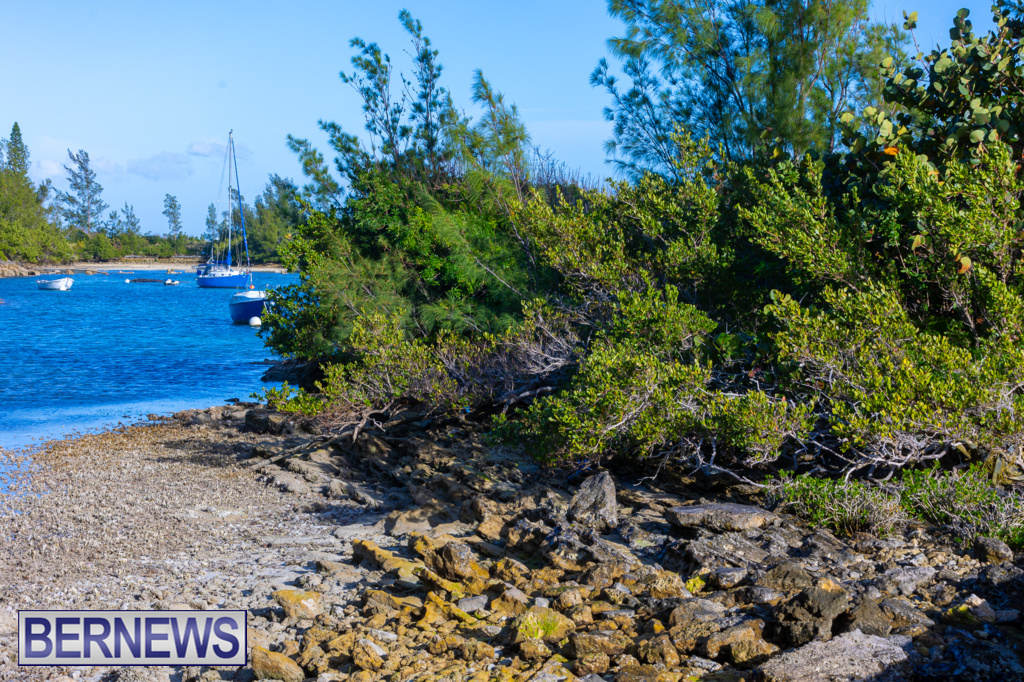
(41, 224)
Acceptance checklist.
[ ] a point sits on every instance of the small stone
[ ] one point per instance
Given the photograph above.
(667, 585)
(695, 610)
(512, 602)
(440, 644)
(533, 649)
(314, 660)
(459, 562)
(1007, 616)
(690, 636)
(368, 655)
(381, 635)
(786, 577)
(609, 642)
(471, 604)
(475, 650)
(658, 650)
(270, 665)
(299, 603)
(594, 504)
(727, 577)
(809, 615)
(617, 613)
(721, 517)
(904, 581)
(541, 623)
(974, 611)
(992, 550)
(592, 665)
(903, 614)
(718, 644)
(867, 617)
(749, 653)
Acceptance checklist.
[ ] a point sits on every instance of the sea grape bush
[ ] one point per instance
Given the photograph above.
(860, 312)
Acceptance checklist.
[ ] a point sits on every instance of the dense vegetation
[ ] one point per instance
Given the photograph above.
(842, 292)
(39, 224)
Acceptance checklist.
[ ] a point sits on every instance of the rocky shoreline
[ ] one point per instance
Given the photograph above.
(420, 552)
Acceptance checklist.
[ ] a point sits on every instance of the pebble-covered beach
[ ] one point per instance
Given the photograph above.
(160, 516)
(421, 552)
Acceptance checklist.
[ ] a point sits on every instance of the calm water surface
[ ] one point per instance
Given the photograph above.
(106, 352)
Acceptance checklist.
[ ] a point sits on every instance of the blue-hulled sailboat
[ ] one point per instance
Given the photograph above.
(219, 274)
(246, 305)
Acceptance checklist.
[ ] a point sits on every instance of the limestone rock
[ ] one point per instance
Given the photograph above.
(752, 652)
(592, 665)
(849, 657)
(541, 623)
(299, 604)
(787, 576)
(809, 615)
(594, 504)
(471, 604)
(270, 665)
(992, 550)
(727, 577)
(459, 562)
(533, 649)
(905, 580)
(368, 655)
(867, 617)
(512, 602)
(266, 421)
(719, 645)
(720, 517)
(658, 650)
(973, 612)
(902, 613)
(608, 642)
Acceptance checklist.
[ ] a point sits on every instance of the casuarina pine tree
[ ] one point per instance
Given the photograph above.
(172, 210)
(17, 153)
(83, 206)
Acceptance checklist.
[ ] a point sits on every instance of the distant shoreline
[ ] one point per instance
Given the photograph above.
(12, 269)
(159, 265)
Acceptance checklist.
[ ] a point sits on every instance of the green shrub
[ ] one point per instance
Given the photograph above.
(961, 500)
(843, 506)
(965, 501)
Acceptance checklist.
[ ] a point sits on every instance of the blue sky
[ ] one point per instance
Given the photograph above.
(150, 89)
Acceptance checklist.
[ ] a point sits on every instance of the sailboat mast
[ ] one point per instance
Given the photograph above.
(230, 217)
(241, 213)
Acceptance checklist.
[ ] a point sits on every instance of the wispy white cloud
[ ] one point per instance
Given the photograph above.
(216, 149)
(205, 148)
(46, 168)
(104, 166)
(162, 166)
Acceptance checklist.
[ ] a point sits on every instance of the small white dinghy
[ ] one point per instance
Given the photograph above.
(62, 284)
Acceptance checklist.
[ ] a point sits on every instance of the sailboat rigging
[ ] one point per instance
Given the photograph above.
(216, 273)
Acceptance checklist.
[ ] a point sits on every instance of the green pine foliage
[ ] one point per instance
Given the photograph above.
(28, 229)
(730, 71)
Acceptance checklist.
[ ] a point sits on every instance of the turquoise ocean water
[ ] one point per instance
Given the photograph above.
(106, 352)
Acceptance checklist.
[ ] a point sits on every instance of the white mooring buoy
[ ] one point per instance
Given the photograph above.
(127, 281)
(255, 322)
